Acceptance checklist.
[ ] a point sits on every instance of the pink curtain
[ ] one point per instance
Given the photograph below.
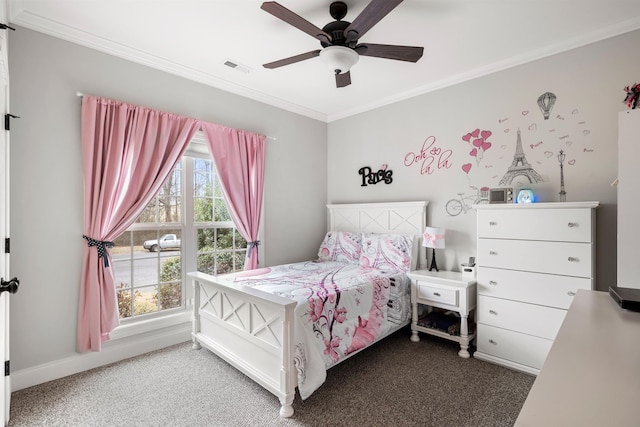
(239, 157)
(128, 152)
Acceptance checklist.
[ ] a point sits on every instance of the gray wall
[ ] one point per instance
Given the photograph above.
(46, 176)
(588, 83)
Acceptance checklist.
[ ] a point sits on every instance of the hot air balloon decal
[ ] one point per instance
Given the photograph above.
(546, 102)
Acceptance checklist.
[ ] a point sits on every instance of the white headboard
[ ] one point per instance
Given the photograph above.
(395, 217)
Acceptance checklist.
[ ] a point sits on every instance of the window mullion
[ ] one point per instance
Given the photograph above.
(189, 250)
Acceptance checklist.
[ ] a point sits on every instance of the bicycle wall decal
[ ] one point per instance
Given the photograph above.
(464, 202)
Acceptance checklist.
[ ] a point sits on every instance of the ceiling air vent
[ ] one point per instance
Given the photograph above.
(236, 66)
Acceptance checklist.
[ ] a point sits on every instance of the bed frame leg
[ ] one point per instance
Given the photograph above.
(286, 410)
(196, 344)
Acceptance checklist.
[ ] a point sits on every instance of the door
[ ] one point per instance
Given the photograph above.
(5, 285)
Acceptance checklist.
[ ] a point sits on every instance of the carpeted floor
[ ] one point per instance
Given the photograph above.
(394, 383)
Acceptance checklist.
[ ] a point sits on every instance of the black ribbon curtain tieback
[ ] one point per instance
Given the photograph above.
(253, 245)
(101, 246)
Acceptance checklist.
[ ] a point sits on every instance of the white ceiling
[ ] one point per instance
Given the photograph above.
(462, 39)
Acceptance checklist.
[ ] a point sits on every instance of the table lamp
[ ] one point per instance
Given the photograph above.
(433, 238)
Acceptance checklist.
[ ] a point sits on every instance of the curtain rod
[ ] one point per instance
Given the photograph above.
(272, 138)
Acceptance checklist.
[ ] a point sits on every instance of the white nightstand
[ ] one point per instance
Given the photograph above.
(447, 290)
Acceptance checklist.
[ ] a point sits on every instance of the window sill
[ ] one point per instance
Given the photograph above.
(150, 325)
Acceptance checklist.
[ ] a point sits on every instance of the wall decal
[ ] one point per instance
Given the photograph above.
(464, 202)
(370, 177)
(479, 143)
(633, 92)
(430, 157)
(546, 101)
(520, 167)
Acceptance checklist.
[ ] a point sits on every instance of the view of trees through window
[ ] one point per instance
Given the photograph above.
(186, 227)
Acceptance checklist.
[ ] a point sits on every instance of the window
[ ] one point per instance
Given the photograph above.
(186, 227)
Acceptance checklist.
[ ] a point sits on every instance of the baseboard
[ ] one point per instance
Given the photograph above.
(111, 352)
(507, 363)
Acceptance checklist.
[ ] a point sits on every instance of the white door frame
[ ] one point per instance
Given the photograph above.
(5, 383)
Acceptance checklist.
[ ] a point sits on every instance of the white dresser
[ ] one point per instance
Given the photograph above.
(532, 259)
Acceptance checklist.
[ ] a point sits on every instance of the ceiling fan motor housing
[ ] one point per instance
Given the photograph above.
(336, 30)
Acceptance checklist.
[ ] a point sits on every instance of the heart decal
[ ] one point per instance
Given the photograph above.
(572, 162)
(478, 142)
(475, 133)
(466, 167)
(485, 134)
(474, 152)
(548, 154)
(525, 112)
(486, 146)
(533, 126)
(467, 137)
(383, 167)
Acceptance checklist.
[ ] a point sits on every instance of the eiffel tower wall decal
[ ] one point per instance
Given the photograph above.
(520, 167)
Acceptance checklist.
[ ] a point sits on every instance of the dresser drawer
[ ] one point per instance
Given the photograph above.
(564, 225)
(518, 316)
(513, 346)
(436, 295)
(569, 259)
(536, 288)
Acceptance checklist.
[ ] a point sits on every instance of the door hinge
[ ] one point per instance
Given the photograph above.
(7, 245)
(7, 368)
(7, 120)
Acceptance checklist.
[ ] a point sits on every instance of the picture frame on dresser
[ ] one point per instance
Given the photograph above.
(531, 261)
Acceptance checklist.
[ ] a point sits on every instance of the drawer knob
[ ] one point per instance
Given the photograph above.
(573, 259)
(493, 283)
(572, 224)
(495, 313)
(571, 294)
(493, 342)
(493, 253)
(436, 294)
(493, 223)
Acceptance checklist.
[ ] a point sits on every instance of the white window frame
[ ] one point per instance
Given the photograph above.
(136, 325)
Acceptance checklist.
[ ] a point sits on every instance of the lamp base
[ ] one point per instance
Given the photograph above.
(433, 262)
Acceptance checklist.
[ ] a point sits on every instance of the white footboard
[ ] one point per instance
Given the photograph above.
(250, 329)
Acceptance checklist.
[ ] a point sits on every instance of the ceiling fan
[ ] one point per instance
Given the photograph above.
(339, 39)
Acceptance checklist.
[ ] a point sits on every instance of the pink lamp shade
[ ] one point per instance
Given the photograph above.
(433, 237)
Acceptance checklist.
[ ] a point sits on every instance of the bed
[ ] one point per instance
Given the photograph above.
(284, 326)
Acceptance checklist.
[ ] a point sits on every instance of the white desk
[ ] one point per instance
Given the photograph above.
(591, 376)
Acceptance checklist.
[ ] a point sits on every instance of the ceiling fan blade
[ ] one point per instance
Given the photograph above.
(343, 79)
(292, 59)
(370, 16)
(295, 20)
(401, 53)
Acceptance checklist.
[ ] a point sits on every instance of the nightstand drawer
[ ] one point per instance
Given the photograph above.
(437, 295)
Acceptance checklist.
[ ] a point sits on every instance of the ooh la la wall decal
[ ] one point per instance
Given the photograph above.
(371, 177)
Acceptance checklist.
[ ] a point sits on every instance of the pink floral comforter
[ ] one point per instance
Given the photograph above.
(341, 309)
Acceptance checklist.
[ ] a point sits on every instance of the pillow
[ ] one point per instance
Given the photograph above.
(386, 251)
(341, 246)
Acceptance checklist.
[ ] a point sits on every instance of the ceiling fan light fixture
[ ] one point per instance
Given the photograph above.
(339, 59)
